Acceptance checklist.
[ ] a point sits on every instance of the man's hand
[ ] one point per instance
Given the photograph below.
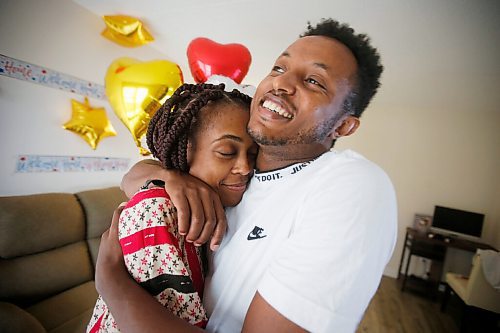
(199, 210)
(110, 258)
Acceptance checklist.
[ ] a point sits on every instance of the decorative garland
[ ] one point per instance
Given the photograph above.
(25, 71)
(40, 163)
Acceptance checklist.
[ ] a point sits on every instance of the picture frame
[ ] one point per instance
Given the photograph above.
(422, 223)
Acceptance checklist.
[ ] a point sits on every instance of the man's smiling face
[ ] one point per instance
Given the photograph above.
(300, 100)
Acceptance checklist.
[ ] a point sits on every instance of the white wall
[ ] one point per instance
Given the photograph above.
(434, 126)
(62, 36)
(436, 157)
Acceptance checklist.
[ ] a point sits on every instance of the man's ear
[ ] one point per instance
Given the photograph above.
(348, 126)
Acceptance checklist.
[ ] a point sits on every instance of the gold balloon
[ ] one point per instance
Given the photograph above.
(91, 124)
(136, 90)
(126, 31)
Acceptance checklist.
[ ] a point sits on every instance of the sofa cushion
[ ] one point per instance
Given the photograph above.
(48, 243)
(68, 311)
(77, 324)
(98, 206)
(48, 221)
(13, 319)
(27, 279)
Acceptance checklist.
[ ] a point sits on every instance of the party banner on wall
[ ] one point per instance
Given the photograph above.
(25, 71)
(41, 163)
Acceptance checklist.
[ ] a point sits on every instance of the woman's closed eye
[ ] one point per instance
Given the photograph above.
(226, 153)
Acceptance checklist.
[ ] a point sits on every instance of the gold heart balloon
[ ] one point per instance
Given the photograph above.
(136, 90)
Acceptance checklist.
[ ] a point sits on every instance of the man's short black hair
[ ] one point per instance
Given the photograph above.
(367, 58)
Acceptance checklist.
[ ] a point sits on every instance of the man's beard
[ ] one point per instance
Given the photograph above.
(315, 134)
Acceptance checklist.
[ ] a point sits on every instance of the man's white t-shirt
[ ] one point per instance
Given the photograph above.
(313, 239)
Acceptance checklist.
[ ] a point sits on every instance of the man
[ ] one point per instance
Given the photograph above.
(306, 248)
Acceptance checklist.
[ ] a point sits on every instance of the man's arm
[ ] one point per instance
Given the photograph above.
(199, 209)
(136, 311)
(262, 317)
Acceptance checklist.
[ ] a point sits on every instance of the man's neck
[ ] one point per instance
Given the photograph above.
(277, 157)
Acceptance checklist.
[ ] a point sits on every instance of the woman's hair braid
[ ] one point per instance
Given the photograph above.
(177, 121)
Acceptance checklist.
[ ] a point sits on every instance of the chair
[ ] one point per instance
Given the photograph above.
(481, 302)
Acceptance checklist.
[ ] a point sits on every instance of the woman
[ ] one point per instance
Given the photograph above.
(201, 129)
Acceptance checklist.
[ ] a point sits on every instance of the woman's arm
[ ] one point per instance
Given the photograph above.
(132, 307)
(199, 210)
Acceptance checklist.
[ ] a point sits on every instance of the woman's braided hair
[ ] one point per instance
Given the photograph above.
(176, 121)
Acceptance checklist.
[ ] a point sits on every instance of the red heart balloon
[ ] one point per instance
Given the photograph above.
(207, 58)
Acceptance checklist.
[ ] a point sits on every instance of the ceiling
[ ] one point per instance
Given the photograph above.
(421, 42)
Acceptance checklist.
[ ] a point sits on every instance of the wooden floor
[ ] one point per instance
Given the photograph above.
(394, 311)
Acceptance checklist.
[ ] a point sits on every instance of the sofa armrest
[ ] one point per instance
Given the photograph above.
(13, 319)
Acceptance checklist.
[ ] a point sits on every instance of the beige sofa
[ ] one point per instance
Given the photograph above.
(48, 249)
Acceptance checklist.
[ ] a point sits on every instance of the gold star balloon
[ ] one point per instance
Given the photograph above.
(91, 124)
(126, 31)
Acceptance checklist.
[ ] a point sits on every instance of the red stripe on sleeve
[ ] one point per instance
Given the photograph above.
(195, 266)
(151, 193)
(147, 237)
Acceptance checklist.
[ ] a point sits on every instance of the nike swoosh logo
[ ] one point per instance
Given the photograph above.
(256, 233)
(252, 237)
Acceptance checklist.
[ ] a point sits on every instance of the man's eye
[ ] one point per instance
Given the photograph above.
(313, 81)
(278, 69)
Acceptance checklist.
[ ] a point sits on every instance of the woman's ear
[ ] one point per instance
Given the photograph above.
(348, 126)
